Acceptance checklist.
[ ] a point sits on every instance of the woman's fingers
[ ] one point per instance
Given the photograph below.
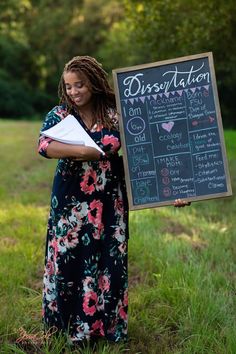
(178, 203)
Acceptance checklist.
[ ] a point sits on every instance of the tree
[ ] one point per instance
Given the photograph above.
(164, 29)
(15, 76)
(38, 36)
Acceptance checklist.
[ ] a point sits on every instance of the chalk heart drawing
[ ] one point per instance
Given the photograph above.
(168, 126)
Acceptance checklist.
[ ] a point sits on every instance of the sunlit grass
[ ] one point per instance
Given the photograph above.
(181, 263)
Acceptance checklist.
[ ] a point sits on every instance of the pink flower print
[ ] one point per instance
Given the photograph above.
(53, 306)
(43, 144)
(122, 307)
(71, 240)
(112, 328)
(122, 247)
(89, 303)
(54, 245)
(62, 113)
(121, 311)
(103, 283)
(101, 182)
(95, 218)
(97, 328)
(49, 269)
(95, 212)
(125, 300)
(120, 232)
(63, 221)
(111, 140)
(62, 246)
(88, 182)
(119, 207)
(88, 283)
(79, 211)
(100, 303)
(98, 231)
(123, 314)
(105, 165)
(82, 331)
(72, 220)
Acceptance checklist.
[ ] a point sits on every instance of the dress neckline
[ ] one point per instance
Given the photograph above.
(80, 120)
(91, 130)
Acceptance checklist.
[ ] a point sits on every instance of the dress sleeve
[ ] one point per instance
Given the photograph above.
(110, 141)
(52, 118)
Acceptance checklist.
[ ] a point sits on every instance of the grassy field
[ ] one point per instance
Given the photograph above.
(182, 263)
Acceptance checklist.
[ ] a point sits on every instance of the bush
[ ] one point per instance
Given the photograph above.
(15, 98)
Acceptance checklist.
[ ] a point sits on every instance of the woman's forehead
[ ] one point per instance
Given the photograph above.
(74, 76)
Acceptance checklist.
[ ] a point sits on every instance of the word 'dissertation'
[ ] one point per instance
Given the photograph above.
(135, 84)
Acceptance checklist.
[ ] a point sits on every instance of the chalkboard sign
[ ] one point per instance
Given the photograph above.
(171, 132)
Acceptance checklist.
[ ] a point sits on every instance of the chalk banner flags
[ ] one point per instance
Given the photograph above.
(171, 132)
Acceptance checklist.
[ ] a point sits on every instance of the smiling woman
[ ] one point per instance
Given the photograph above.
(85, 278)
(78, 90)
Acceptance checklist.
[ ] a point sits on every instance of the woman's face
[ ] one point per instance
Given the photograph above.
(77, 89)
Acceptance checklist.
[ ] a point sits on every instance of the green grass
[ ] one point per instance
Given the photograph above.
(182, 262)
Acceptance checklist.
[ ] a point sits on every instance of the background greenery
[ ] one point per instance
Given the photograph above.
(38, 36)
(182, 269)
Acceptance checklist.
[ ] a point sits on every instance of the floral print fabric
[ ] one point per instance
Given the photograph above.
(85, 280)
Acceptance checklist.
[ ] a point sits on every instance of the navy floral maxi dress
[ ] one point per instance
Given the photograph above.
(85, 279)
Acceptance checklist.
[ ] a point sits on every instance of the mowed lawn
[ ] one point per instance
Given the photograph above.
(182, 263)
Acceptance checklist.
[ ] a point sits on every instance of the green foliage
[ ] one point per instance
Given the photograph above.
(20, 92)
(38, 37)
(161, 29)
(181, 263)
(13, 97)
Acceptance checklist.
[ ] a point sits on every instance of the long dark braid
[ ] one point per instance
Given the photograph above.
(103, 95)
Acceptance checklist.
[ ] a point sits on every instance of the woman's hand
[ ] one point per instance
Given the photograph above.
(180, 203)
(58, 150)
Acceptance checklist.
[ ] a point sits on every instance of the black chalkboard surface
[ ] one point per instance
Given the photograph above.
(171, 132)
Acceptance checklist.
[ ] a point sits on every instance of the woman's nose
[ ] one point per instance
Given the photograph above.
(74, 90)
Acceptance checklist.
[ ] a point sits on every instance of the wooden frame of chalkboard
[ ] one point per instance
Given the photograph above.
(171, 132)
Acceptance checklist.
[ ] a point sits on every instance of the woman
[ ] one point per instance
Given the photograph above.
(85, 278)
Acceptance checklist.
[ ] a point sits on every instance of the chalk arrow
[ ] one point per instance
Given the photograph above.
(210, 119)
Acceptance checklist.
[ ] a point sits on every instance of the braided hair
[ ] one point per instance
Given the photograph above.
(102, 93)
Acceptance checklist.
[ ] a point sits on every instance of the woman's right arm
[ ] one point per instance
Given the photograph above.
(58, 150)
(50, 148)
